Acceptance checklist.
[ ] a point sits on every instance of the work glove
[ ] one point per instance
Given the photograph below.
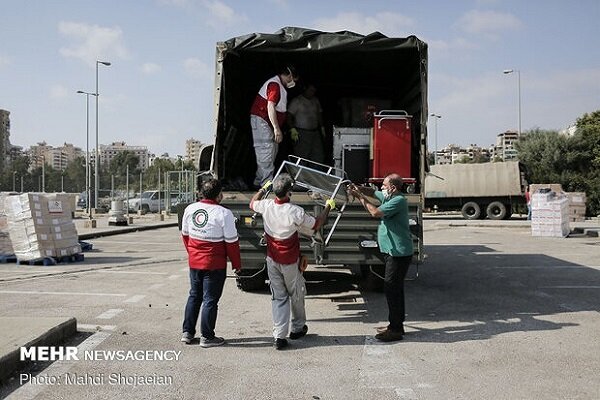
(330, 203)
(267, 186)
(294, 134)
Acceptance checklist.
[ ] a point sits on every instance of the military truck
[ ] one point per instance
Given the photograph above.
(493, 190)
(359, 79)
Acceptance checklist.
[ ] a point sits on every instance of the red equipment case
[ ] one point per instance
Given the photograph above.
(392, 143)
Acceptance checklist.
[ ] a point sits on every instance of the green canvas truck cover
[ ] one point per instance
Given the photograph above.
(342, 65)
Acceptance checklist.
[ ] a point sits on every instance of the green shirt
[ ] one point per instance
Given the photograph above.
(393, 235)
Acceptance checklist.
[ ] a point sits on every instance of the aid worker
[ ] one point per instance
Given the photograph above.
(282, 220)
(210, 238)
(305, 116)
(267, 115)
(395, 242)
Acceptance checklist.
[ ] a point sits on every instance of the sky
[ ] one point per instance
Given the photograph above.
(159, 89)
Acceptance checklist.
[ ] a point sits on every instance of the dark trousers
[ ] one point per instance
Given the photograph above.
(395, 272)
(206, 288)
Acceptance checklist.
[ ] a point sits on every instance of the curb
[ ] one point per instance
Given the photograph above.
(56, 335)
(592, 232)
(93, 235)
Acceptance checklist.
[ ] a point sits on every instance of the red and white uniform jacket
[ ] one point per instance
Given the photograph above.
(282, 220)
(272, 90)
(210, 236)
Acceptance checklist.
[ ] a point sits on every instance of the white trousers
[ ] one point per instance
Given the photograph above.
(265, 149)
(288, 290)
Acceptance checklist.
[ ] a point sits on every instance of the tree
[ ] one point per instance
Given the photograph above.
(574, 162)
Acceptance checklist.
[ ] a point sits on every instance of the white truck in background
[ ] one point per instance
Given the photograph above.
(492, 190)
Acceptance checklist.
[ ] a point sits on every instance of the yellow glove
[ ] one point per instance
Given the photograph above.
(330, 203)
(294, 134)
(266, 186)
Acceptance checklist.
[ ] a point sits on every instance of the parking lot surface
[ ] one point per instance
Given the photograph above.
(494, 313)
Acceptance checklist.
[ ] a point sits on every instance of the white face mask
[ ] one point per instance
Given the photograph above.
(291, 84)
(386, 194)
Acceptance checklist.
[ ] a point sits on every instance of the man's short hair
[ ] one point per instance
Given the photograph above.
(210, 189)
(282, 185)
(396, 180)
(289, 69)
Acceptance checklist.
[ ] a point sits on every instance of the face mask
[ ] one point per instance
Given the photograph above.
(291, 84)
(386, 194)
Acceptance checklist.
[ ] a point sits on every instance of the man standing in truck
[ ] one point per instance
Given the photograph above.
(267, 116)
(282, 221)
(306, 120)
(395, 242)
(210, 238)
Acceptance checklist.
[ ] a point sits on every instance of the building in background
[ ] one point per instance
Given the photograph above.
(192, 150)
(108, 152)
(505, 148)
(56, 157)
(5, 146)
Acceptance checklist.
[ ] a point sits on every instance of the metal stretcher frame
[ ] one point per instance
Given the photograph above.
(319, 178)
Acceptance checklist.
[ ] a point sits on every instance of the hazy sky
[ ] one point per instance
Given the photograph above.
(159, 90)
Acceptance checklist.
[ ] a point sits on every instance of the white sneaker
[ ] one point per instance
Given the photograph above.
(187, 337)
(214, 342)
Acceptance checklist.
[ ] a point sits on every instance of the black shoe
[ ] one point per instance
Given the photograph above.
(389, 336)
(381, 329)
(298, 335)
(280, 344)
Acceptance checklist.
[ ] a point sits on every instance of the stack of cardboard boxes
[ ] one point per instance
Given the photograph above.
(5, 243)
(41, 226)
(550, 214)
(576, 206)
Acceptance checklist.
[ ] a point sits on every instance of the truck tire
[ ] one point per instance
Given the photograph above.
(496, 210)
(254, 284)
(471, 210)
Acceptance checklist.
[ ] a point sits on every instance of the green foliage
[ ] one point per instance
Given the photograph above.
(574, 161)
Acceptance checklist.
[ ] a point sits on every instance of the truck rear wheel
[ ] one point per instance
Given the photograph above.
(471, 210)
(496, 210)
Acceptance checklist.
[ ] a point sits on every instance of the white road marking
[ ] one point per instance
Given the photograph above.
(135, 299)
(108, 271)
(92, 327)
(569, 287)
(61, 293)
(156, 286)
(58, 368)
(544, 267)
(173, 277)
(384, 368)
(109, 314)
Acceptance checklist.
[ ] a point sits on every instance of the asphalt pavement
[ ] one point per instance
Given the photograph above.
(494, 313)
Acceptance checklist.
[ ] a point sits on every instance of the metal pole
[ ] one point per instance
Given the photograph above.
(159, 208)
(62, 183)
(21, 178)
(96, 178)
(14, 181)
(140, 205)
(97, 159)
(127, 190)
(112, 188)
(436, 116)
(519, 88)
(88, 168)
(44, 175)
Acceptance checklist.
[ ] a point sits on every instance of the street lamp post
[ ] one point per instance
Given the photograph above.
(97, 162)
(88, 169)
(510, 71)
(435, 156)
(14, 181)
